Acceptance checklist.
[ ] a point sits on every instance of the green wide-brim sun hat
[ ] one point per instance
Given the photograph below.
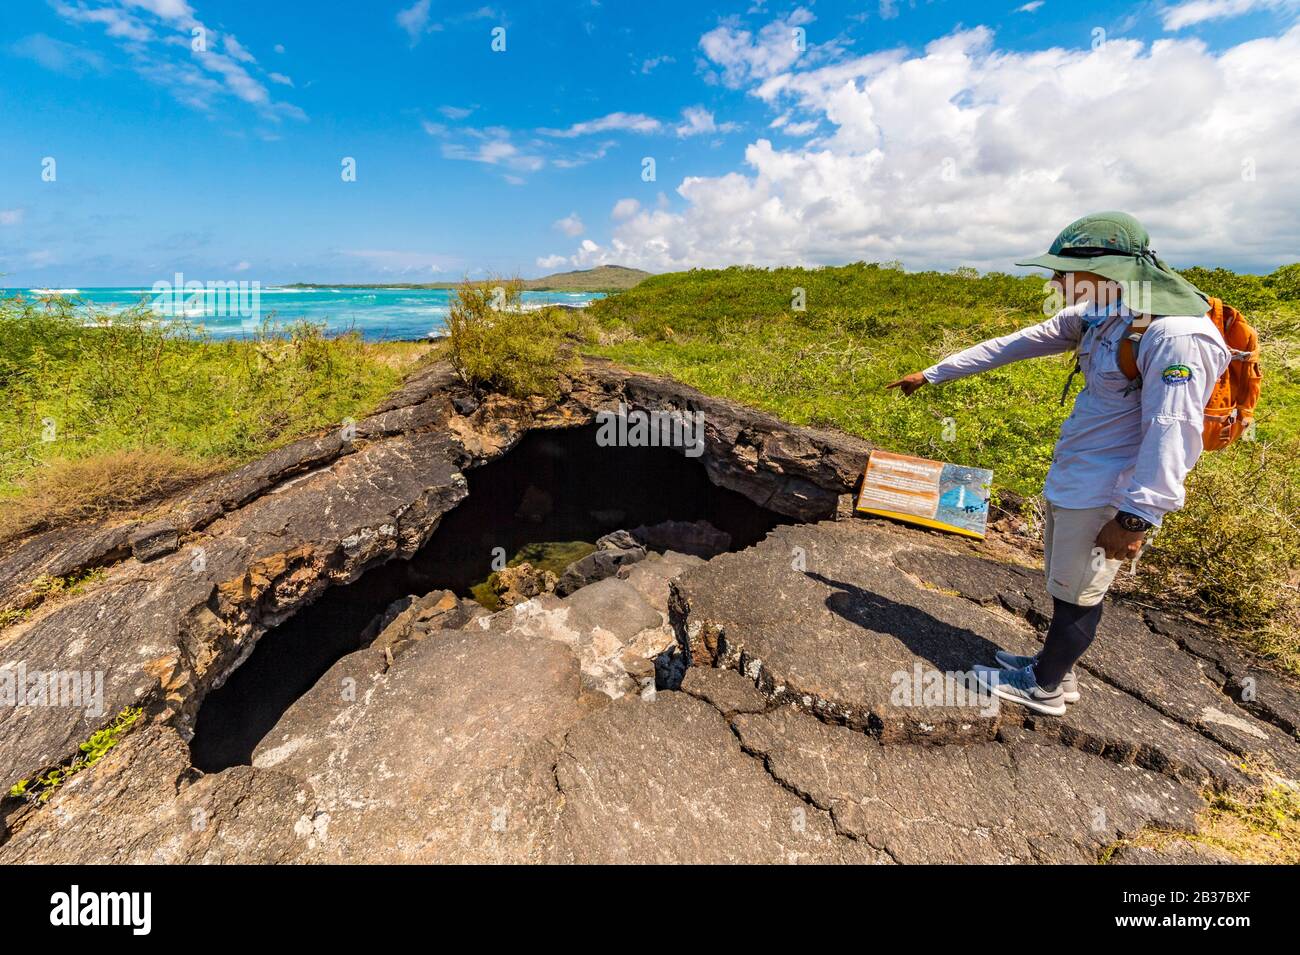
(1116, 246)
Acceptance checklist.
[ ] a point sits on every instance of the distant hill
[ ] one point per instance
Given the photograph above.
(604, 278)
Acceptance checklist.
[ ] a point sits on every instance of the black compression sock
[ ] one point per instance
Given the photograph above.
(1072, 631)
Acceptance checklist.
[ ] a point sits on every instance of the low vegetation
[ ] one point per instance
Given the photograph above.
(817, 347)
(89, 753)
(1261, 825)
(101, 414)
(494, 343)
(544, 556)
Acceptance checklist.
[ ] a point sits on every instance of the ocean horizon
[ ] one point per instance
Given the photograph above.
(379, 313)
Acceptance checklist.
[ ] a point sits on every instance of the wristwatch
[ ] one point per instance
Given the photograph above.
(1131, 522)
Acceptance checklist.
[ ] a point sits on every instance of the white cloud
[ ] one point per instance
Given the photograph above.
(279, 48)
(155, 37)
(243, 266)
(966, 154)
(11, 216)
(236, 49)
(625, 209)
(550, 262)
(165, 9)
(414, 20)
(654, 62)
(492, 146)
(58, 55)
(117, 23)
(697, 120)
(1030, 7)
(629, 122)
(744, 57)
(1190, 12)
(279, 78)
(455, 112)
(570, 225)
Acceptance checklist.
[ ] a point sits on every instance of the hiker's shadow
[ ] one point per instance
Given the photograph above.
(945, 646)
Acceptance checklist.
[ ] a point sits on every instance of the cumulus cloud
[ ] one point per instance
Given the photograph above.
(625, 209)
(570, 225)
(741, 56)
(964, 153)
(697, 120)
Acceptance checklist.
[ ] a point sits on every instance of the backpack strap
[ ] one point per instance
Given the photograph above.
(1065, 392)
(1127, 356)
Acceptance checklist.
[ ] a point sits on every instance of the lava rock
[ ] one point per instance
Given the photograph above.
(617, 540)
(699, 538)
(667, 781)
(155, 540)
(1026, 801)
(514, 585)
(596, 566)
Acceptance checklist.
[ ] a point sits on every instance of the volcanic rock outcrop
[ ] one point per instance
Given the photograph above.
(800, 700)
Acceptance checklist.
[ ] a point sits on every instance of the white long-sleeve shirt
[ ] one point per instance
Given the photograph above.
(1130, 447)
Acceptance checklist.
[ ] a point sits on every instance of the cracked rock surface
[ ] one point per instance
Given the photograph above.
(808, 726)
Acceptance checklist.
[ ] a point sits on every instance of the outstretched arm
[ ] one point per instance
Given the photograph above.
(1058, 334)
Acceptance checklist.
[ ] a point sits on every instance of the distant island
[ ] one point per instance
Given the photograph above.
(604, 278)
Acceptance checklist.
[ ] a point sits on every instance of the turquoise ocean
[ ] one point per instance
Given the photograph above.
(379, 314)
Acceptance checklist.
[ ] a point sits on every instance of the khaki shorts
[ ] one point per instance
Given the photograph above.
(1078, 571)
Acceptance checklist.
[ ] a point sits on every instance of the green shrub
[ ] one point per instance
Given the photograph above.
(494, 343)
(1233, 551)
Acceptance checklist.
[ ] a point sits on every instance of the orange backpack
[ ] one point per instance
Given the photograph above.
(1231, 408)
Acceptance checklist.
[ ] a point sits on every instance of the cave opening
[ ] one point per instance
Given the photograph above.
(555, 485)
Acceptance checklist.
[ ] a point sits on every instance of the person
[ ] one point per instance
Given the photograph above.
(1129, 442)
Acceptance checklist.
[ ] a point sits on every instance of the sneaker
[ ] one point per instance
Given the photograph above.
(1019, 686)
(1069, 682)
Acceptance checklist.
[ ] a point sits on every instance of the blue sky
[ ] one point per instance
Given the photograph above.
(939, 133)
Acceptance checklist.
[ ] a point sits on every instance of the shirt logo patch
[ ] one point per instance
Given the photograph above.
(1176, 375)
